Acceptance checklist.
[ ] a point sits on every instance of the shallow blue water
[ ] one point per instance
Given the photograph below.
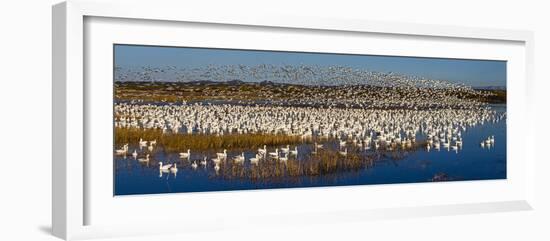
(472, 162)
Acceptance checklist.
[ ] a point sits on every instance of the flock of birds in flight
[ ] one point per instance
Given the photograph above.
(428, 109)
(311, 75)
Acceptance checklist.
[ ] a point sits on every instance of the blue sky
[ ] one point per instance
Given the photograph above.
(470, 72)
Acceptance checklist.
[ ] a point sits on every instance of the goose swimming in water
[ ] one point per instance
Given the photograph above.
(142, 142)
(184, 155)
(173, 168)
(122, 151)
(216, 160)
(164, 167)
(146, 159)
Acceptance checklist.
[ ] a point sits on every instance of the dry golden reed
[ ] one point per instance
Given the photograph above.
(201, 142)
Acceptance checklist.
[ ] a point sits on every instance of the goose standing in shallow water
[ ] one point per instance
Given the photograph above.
(284, 158)
(222, 155)
(295, 151)
(285, 150)
(239, 158)
(342, 143)
(262, 151)
(274, 154)
(204, 162)
(255, 160)
(344, 153)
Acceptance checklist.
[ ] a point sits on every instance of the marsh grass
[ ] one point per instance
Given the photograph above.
(325, 162)
(201, 142)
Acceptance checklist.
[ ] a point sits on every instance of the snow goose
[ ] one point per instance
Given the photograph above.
(164, 167)
(184, 155)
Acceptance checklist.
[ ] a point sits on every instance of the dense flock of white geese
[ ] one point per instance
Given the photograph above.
(406, 109)
(360, 124)
(365, 128)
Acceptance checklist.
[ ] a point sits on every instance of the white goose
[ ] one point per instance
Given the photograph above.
(164, 167)
(344, 153)
(146, 159)
(184, 155)
(142, 142)
(295, 151)
(284, 158)
(222, 155)
(262, 151)
(239, 158)
(122, 151)
(274, 154)
(285, 150)
(320, 146)
(342, 143)
(204, 162)
(135, 154)
(255, 160)
(216, 160)
(173, 168)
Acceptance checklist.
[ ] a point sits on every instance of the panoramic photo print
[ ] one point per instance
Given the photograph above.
(192, 119)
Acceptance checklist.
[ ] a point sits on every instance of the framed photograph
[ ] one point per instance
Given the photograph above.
(263, 120)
